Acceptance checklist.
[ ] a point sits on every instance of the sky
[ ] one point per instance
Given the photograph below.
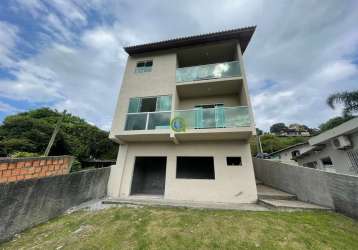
(68, 54)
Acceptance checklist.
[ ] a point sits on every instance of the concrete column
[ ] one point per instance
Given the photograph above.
(116, 176)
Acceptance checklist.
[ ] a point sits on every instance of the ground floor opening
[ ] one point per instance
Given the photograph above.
(149, 176)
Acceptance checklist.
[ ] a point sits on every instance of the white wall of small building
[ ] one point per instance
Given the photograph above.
(340, 159)
(234, 184)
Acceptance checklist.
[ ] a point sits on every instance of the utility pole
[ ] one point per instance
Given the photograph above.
(54, 133)
(259, 145)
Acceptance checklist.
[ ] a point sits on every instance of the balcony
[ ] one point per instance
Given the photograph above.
(220, 123)
(219, 117)
(209, 71)
(148, 120)
(209, 80)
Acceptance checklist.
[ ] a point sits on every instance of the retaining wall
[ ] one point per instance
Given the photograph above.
(26, 203)
(336, 191)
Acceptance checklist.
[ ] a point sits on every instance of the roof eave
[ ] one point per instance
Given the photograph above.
(243, 35)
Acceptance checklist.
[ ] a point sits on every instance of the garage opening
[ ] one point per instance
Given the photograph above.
(149, 176)
(195, 167)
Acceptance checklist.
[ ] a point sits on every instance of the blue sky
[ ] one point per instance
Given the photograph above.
(68, 54)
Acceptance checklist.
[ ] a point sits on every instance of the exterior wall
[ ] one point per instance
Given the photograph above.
(286, 155)
(336, 191)
(339, 158)
(27, 203)
(33, 167)
(160, 81)
(231, 184)
(228, 101)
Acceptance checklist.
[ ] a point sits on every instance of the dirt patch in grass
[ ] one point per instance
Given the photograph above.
(180, 228)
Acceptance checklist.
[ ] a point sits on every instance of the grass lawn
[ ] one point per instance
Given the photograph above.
(180, 228)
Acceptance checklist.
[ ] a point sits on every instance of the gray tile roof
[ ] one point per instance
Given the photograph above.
(243, 35)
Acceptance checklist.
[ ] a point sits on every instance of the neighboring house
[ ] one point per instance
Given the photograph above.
(288, 154)
(335, 150)
(294, 132)
(198, 85)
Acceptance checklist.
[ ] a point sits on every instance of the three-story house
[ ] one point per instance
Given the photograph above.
(184, 119)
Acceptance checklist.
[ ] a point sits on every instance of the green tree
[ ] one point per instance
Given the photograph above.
(348, 99)
(31, 131)
(278, 127)
(271, 143)
(334, 122)
(259, 131)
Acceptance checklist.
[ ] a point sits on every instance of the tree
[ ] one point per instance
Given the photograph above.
(348, 99)
(334, 122)
(259, 131)
(271, 143)
(31, 132)
(278, 127)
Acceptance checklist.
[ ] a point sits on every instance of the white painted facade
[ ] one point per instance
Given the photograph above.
(344, 161)
(234, 184)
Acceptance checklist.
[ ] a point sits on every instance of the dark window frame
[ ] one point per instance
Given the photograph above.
(325, 161)
(144, 66)
(234, 161)
(182, 170)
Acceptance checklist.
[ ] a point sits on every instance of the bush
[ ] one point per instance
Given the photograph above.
(20, 154)
(76, 166)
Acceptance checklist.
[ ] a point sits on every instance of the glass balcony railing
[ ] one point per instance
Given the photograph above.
(219, 117)
(209, 71)
(199, 118)
(148, 120)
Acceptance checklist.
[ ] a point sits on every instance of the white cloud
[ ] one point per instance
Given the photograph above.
(8, 39)
(300, 53)
(336, 71)
(6, 108)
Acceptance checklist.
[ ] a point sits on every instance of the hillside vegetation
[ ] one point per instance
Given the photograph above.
(271, 143)
(30, 132)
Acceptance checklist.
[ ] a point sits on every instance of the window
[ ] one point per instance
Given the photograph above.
(233, 161)
(144, 66)
(312, 164)
(150, 104)
(149, 113)
(295, 153)
(195, 168)
(326, 161)
(353, 157)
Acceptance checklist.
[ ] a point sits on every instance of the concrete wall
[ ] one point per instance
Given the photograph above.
(336, 191)
(231, 184)
(227, 100)
(160, 81)
(24, 204)
(33, 167)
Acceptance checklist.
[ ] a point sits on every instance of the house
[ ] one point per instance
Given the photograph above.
(288, 154)
(184, 119)
(294, 130)
(335, 150)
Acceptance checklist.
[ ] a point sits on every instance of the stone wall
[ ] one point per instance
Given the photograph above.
(33, 167)
(337, 191)
(26, 203)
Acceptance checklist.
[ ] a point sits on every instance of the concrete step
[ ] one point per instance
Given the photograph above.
(265, 192)
(258, 182)
(287, 205)
(154, 201)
